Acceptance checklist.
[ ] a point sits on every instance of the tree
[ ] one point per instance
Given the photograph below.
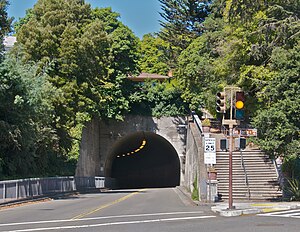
(87, 54)
(201, 69)
(158, 99)
(5, 22)
(154, 55)
(183, 22)
(237, 46)
(278, 122)
(29, 144)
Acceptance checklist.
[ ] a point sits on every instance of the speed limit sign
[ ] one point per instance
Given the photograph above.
(210, 151)
(210, 145)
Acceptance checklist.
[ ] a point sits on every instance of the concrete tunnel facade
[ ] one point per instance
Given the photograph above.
(139, 152)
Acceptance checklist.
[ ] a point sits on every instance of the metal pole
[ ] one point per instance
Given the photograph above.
(231, 90)
(17, 190)
(4, 191)
(230, 200)
(209, 184)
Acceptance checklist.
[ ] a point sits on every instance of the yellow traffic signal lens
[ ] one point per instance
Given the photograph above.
(239, 105)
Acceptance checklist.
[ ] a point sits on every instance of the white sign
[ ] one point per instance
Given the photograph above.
(210, 145)
(210, 151)
(210, 158)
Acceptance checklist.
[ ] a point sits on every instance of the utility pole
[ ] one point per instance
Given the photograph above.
(229, 93)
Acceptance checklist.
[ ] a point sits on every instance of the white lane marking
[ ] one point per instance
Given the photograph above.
(112, 223)
(99, 218)
(290, 213)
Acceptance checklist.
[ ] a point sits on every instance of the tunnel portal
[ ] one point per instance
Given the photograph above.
(144, 159)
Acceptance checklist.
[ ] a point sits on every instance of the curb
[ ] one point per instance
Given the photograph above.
(253, 209)
(184, 196)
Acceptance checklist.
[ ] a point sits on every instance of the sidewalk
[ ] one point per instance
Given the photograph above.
(244, 208)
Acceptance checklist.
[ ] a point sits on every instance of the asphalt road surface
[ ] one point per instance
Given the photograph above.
(139, 210)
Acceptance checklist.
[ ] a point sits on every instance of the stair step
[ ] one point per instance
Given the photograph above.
(261, 174)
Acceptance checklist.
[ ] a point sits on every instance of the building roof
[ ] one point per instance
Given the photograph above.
(147, 76)
(9, 42)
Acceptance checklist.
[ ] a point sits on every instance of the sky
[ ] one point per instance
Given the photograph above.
(141, 16)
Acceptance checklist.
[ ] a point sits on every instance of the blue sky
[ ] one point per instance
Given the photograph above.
(141, 16)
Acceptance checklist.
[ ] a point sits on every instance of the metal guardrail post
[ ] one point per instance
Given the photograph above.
(4, 191)
(17, 190)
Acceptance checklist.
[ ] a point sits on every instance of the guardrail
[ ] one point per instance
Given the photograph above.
(12, 190)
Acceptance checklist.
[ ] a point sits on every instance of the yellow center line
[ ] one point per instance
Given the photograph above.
(107, 205)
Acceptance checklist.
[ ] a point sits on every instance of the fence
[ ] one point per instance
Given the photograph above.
(29, 188)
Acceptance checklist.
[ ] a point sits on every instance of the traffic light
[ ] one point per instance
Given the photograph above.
(239, 105)
(221, 102)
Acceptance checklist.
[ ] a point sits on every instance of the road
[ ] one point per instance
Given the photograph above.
(133, 210)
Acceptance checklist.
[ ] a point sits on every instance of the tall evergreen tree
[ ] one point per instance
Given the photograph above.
(5, 22)
(182, 20)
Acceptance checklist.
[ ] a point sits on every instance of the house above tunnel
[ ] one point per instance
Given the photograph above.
(149, 76)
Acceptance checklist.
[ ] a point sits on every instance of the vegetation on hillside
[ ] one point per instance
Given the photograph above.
(71, 62)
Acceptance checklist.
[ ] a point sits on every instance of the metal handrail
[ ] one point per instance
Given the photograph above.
(198, 122)
(246, 175)
(279, 174)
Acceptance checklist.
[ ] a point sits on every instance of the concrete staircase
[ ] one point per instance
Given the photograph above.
(256, 180)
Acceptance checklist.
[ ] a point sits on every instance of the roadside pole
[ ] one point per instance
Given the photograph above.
(231, 122)
(230, 200)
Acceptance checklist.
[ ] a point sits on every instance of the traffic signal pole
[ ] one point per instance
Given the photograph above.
(230, 198)
(231, 122)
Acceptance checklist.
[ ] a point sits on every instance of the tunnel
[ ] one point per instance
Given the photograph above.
(144, 160)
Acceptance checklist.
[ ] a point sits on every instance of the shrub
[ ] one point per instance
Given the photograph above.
(293, 188)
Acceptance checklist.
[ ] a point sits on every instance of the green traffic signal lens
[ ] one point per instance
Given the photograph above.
(239, 114)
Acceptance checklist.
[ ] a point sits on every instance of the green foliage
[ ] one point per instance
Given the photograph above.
(254, 45)
(291, 165)
(5, 23)
(278, 121)
(29, 143)
(195, 192)
(158, 99)
(293, 189)
(206, 122)
(87, 54)
(196, 74)
(84, 55)
(182, 20)
(154, 55)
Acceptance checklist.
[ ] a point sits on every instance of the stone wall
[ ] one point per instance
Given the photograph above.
(194, 162)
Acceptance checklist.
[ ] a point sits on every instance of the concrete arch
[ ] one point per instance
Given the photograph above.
(143, 159)
(99, 137)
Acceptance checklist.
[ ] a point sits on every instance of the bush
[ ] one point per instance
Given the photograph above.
(195, 193)
(293, 189)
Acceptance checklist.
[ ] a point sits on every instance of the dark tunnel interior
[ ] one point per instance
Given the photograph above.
(145, 159)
